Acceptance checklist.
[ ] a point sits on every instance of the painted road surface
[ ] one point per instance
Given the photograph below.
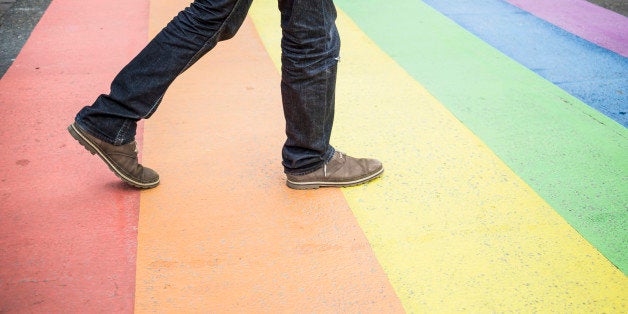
(68, 232)
(503, 192)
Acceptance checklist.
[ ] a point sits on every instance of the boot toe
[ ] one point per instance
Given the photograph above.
(373, 165)
(150, 176)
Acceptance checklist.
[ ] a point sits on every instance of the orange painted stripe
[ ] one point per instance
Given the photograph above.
(222, 232)
(67, 224)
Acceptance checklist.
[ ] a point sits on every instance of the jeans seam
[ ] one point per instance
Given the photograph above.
(122, 133)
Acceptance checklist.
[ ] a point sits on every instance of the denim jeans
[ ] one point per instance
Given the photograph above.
(310, 46)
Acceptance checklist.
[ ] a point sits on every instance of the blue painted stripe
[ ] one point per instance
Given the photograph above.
(595, 75)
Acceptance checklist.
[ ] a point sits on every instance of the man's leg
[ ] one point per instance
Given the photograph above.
(310, 49)
(310, 54)
(108, 126)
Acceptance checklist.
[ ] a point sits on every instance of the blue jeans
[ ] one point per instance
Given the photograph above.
(310, 46)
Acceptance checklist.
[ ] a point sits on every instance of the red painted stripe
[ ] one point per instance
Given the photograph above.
(68, 226)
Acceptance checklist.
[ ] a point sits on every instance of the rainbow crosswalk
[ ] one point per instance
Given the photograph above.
(505, 190)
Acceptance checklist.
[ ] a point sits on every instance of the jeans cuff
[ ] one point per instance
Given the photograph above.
(326, 158)
(86, 126)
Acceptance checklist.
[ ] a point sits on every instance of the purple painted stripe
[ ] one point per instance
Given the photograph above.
(584, 19)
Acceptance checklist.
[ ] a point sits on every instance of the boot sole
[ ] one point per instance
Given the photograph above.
(94, 150)
(320, 184)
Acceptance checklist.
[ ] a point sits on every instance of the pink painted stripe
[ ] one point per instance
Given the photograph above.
(584, 19)
(68, 226)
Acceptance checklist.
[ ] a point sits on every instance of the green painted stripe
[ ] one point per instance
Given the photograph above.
(570, 154)
(453, 227)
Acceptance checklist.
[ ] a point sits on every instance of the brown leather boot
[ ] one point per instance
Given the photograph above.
(340, 171)
(122, 160)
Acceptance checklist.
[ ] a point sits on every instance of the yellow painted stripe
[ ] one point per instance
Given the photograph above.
(222, 233)
(454, 228)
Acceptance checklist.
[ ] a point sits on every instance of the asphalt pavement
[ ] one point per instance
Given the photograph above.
(503, 191)
(17, 20)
